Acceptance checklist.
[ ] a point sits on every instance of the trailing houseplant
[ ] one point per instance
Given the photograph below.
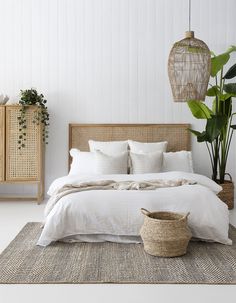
(219, 126)
(30, 97)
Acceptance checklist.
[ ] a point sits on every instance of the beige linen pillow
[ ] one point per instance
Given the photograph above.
(144, 163)
(109, 165)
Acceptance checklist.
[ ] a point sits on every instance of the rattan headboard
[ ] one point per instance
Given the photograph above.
(177, 135)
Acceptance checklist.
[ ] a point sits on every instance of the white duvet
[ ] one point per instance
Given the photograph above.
(114, 215)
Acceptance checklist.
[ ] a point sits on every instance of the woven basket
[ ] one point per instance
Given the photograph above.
(165, 234)
(227, 193)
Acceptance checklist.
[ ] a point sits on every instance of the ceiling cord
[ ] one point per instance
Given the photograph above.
(189, 15)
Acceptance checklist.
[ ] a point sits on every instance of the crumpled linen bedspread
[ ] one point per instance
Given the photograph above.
(113, 185)
(88, 208)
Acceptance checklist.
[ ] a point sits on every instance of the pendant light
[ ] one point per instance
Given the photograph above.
(189, 67)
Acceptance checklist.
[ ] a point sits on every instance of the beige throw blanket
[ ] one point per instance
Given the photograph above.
(113, 185)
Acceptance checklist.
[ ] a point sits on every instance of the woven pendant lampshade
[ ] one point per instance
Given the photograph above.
(189, 67)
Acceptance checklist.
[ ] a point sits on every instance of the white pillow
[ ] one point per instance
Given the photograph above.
(108, 165)
(137, 147)
(110, 147)
(144, 163)
(178, 161)
(82, 162)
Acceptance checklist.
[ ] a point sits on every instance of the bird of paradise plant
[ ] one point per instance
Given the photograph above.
(219, 126)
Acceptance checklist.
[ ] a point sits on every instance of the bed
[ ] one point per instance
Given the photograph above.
(114, 215)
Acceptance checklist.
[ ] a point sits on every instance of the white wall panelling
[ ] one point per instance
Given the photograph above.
(105, 61)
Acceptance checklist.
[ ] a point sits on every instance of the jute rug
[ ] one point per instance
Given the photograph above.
(24, 262)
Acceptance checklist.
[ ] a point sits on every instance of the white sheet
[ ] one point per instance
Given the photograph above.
(114, 213)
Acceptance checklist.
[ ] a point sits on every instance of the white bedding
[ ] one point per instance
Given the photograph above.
(114, 215)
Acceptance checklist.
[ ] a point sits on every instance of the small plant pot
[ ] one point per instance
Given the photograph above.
(227, 193)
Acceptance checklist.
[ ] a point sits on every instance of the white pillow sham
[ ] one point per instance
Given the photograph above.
(107, 164)
(82, 162)
(137, 147)
(87, 162)
(109, 147)
(178, 161)
(143, 163)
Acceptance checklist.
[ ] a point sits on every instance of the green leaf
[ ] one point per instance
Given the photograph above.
(199, 109)
(231, 49)
(213, 91)
(201, 137)
(224, 97)
(214, 126)
(226, 106)
(230, 88)
(218, 62)
(214, 105)
(231, 73)
(195, 132)
(213, 54)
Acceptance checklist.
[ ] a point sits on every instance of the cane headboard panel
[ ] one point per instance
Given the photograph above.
(177, 135)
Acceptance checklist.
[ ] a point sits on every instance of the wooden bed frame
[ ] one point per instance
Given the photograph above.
(177, 135)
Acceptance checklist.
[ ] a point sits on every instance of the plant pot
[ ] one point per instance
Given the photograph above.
(227, 193)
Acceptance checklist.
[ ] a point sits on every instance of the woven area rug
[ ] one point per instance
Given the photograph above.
(24, 262)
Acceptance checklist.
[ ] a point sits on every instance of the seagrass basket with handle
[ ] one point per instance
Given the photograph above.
(165, 234)
(227, 193)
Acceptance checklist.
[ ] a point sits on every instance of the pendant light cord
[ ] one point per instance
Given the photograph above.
(189, 15)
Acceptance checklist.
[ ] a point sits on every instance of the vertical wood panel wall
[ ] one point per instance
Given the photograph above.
(105, 61)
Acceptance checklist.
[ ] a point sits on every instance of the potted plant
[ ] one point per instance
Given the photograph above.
(219, 128)
(30, 97)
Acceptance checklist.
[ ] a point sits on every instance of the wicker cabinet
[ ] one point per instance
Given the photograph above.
(2, 143)
(19, 166)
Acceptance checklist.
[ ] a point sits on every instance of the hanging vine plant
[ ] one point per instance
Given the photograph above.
(41, 115)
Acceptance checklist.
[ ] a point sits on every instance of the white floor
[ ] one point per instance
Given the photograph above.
(14, 215)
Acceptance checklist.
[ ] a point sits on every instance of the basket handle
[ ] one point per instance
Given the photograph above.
(186, 215)
(230, 177)
(145, 212)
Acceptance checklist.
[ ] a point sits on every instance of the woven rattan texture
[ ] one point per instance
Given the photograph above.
(24, 262)
(177, 135)
(2, 142)
(24, 163)
(165, 234)
(189, 69)
(227, 194)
